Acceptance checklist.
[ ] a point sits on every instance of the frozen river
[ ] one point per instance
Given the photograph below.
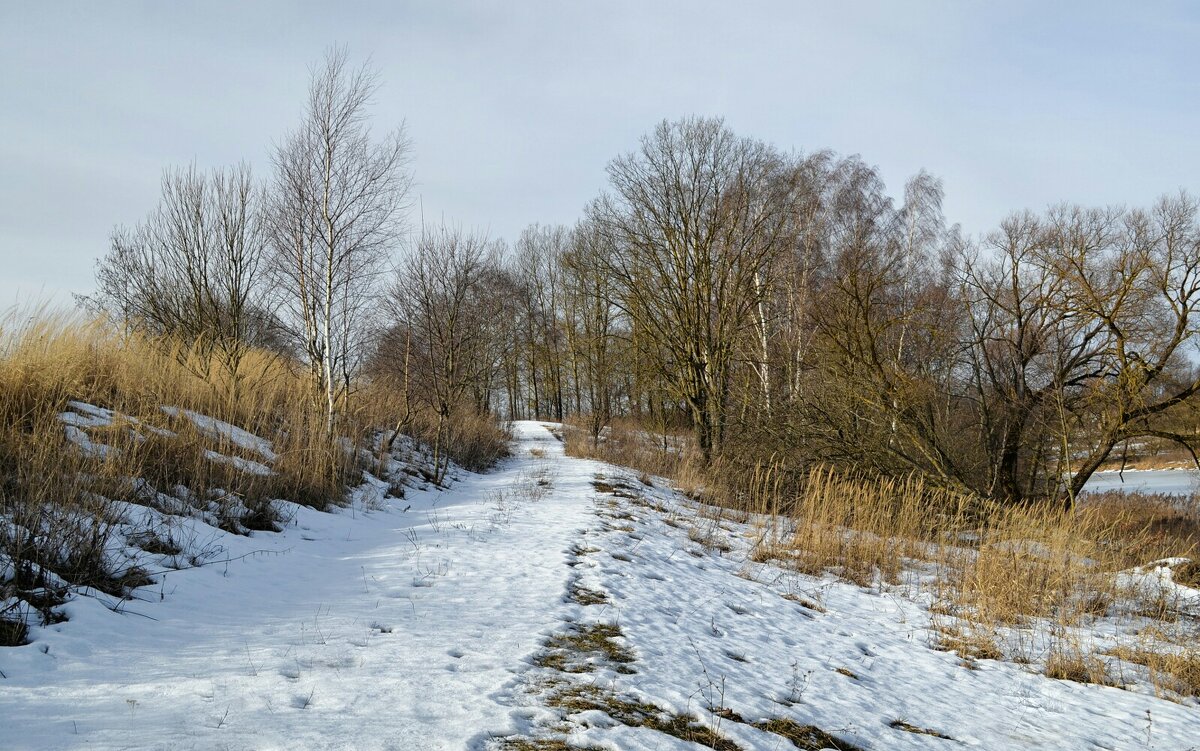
(1169, 481)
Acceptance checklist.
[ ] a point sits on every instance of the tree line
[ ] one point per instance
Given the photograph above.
(769, 302)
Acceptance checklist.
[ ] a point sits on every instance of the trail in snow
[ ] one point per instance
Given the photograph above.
(714, 631)
(387, 629)
(422, 625)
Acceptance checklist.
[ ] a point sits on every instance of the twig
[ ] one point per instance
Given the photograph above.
(221, 560)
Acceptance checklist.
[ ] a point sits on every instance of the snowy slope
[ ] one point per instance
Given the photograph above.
(448, 620)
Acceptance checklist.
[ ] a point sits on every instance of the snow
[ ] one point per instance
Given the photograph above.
(223, 430)
(736, 637)
(86, 445)
(243, 465)
(1156, 580)
(86, 415)
(418, 623)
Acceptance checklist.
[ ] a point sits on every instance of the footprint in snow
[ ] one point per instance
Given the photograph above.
(456, 653)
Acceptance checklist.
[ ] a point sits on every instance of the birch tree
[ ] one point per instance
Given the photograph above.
(337, 214)
(537, 265)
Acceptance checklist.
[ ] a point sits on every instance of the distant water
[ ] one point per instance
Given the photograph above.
(1168, 481)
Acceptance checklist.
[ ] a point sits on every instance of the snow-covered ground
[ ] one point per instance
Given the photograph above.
(455, 619)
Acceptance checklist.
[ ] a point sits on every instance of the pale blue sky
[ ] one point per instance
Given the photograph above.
(515, 107)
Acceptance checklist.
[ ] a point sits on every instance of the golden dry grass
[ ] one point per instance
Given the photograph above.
(864, 529)
(51, 360)
(994, 570)
(626, 443)
(62, 502)
(1173, 672)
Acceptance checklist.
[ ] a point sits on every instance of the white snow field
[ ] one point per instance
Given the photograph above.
(460, 619)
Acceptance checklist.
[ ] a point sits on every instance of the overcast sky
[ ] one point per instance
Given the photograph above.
(514, 108)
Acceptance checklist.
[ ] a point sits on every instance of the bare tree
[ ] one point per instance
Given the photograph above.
(875, 324)
(1062, 337)
(337, 211)
(1135, 276)
(696, 215)
(191, 269)
(592, 324)
(1026, 353)
(440, 300)
(537, 266)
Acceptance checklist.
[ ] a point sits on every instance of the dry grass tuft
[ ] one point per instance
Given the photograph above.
(972, 642)
(1187, 574)
(583, 649)
(1070, 662)
(917, 730)
(581, 595)
(640, 714)
(1173, 672)
(808, 737)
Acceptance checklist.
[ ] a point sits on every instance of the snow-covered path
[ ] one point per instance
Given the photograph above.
(393, 629)
(425, 625)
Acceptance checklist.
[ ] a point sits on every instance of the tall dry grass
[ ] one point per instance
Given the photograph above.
(50, 360)
(1016, 582)
(61, 506)
(1025, 583)
(865, 529)
(625, 442)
